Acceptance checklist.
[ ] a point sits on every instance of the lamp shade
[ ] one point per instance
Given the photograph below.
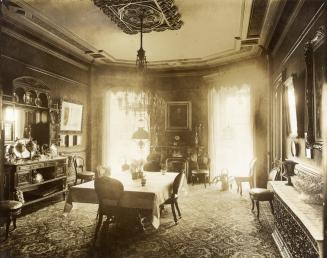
(140, 134)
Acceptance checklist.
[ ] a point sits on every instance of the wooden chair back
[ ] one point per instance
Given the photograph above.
(252, 172)
(177, 184)
(176, 165)
(78, 164)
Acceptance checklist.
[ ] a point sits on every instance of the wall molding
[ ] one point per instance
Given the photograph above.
(45, 72)
(288, 26)
(38, 46)
(304, 33)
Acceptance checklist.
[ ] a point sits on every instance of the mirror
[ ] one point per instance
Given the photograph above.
(23, 123)
(314, 52)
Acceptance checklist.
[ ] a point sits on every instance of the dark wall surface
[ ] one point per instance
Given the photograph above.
(288, 58)
(65, 80)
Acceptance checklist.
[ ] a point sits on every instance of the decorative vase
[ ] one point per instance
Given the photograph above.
(289, 166)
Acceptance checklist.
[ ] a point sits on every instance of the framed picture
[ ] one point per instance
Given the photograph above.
(71, 117)
(178, 115)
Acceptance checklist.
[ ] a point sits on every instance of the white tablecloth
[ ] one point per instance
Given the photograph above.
(157, 189)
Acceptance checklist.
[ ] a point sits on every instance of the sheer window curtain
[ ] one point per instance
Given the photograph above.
(230, 129)
(118, 147)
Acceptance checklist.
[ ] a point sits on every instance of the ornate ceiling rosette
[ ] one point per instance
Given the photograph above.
(158, 15)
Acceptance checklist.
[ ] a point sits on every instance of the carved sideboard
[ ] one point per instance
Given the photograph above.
(36, 180)
(298, 228)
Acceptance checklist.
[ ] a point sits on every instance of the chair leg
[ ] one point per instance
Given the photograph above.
(258, 209)
(7, 226)
(174, 213)
(271, 206)
(204, 180)
(98, 226)
(178, 211)
(252, 208)
(14, 222)
(238, 186)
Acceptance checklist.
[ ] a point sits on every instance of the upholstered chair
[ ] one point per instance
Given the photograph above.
(109, 192)
(258, 195)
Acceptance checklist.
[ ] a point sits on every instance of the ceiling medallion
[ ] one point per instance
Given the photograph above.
(159, 15)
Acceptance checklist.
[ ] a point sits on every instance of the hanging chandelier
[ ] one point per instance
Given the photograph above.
(141, 58)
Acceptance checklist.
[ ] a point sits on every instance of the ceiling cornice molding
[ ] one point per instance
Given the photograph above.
(304, 33)
(164, 73)
(273, 14)
(45, 72)
(197, 65)
(43, 48)
(288, 26)
(34, 22)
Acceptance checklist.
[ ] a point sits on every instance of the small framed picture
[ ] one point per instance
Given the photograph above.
(178, 116)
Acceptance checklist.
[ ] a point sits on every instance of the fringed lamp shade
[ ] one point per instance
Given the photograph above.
(140, 135)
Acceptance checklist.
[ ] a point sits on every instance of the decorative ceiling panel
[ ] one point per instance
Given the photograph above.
(159, 15)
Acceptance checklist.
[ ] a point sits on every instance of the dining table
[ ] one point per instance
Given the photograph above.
(150, 196)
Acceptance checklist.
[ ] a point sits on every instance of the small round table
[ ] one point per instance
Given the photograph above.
(10, 209)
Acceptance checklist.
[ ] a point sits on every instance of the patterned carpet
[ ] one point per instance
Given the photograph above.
(214, 224)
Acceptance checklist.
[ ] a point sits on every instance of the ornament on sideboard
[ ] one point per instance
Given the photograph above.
(289, 166)
(31, 147)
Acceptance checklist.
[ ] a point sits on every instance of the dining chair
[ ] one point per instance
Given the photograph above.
(258, 195)
(201, 169)
(109, 192)
(173, 199)
(177, 164)
(80, 172)
(250, 178)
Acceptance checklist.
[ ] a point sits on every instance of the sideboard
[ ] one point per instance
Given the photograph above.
(36, 180)
(298, 228)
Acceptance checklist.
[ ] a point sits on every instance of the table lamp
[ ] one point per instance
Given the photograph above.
(140, 134)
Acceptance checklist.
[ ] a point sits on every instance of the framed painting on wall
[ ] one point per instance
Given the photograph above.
(178, 115)
(71, 117)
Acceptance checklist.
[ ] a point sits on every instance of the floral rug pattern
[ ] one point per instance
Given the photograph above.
(213, 224)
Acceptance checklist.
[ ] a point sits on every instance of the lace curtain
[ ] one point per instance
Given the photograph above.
(118, 127)
(230, 129)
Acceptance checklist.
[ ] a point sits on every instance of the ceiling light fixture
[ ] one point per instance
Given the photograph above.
(141, 63)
